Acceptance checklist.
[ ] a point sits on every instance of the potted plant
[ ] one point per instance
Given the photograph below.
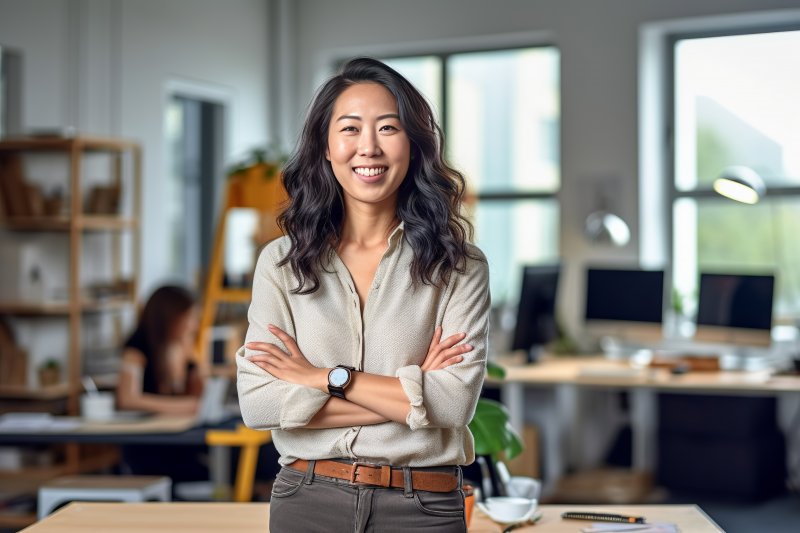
(255, 179)
(495, 438)
(50, 373)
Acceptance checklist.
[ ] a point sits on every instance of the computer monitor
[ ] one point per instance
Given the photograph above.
(626, 304)
(536, 312)
(735, 309)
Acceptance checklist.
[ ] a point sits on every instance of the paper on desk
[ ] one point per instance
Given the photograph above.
(39, 422)
(602, 527)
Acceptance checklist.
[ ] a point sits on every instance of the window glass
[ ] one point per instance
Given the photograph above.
(503, 116)
(502, 132)
(513, 234)
(729, 237)
(425, 73)
(736, 103)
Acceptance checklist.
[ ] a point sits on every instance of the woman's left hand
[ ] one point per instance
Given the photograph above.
(292, 367)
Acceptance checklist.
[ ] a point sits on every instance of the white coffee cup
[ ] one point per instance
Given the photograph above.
(98, 406)
(509, 508)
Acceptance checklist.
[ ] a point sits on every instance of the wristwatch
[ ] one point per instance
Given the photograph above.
(338, 380)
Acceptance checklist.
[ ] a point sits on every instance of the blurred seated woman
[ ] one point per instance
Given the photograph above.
(158, 376)
(157, 373)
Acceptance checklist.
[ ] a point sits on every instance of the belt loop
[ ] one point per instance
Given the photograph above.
(309, 477)
(408, 486)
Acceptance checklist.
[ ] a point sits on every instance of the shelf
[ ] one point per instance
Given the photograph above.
(24, 392)
(61, 307)
(59, 144)
(64, 223)
(111, 211)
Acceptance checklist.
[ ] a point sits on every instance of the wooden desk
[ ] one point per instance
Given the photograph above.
(567, 376)
(689, 518)
(83, 517)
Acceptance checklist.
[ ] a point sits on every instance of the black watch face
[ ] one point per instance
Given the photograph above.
(338, 377)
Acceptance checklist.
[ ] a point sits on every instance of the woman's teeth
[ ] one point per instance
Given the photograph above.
(369, 171)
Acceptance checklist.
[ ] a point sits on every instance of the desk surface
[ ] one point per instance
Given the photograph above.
(162, 429)
(602, 372)
(83, 517)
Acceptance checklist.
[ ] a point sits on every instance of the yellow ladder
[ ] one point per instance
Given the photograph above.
(259, 187)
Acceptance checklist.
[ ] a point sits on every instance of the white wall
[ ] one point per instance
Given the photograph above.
(598, 42)
(103, 66)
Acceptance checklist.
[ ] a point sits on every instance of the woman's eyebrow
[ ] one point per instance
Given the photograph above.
(356, 117)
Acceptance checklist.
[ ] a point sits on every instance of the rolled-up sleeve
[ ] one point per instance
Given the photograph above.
(447, 398)
(267, 402)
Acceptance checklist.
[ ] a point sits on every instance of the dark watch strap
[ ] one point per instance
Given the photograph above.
(336, 391)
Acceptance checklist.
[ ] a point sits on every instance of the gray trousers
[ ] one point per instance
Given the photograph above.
(304, 502)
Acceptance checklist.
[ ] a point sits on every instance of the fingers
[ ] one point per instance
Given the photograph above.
(453, 360)
(287, 340)
(446, 353)
(264, 361)
(266, 347)
(452, 340)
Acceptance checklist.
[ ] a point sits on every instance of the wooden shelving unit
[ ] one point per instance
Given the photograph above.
(74, 222)
(25, 392)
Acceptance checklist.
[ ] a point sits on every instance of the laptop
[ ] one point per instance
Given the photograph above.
(212, 408)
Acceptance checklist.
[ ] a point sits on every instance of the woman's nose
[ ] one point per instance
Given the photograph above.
(368, 145)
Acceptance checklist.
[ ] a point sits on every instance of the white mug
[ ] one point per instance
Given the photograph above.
(98, 406)
(509, 509)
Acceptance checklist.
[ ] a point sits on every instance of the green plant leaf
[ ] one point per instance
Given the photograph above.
(495, 371)
(492, 431)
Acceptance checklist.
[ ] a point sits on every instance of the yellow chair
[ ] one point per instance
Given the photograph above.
(250, 441)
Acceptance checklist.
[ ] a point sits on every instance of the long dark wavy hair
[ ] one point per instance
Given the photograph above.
(429, 199)
(165, 307)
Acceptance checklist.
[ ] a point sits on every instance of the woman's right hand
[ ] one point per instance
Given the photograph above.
(443, 353)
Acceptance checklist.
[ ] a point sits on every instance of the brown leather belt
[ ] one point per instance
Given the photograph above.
(381, 475)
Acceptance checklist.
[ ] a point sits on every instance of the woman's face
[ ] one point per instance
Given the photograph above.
(368, 148)
(185, 327)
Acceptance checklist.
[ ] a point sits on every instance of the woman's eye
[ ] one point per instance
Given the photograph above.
(349, 128)
(388, 128)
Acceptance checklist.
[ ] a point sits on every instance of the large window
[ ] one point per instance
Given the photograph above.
(500, 113)
(736, 103)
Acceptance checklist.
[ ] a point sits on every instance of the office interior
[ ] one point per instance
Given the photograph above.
(580, 128)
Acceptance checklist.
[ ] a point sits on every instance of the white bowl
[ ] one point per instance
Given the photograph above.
(507, 509)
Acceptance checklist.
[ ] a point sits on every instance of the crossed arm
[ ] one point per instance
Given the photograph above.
(371, 398)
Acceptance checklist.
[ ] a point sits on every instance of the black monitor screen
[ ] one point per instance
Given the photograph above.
(536, 314)
(735, 301)
(624, 295)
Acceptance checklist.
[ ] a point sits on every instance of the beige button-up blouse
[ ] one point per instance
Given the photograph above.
(391, 338)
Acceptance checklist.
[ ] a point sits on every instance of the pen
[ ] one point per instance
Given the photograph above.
(603, 517)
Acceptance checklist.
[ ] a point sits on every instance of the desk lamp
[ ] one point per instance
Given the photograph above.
(740, 183)
(604, 226)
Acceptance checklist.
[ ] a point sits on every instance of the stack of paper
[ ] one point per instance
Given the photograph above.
(36, 422)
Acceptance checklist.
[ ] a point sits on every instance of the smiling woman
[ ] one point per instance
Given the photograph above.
(366, 348)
